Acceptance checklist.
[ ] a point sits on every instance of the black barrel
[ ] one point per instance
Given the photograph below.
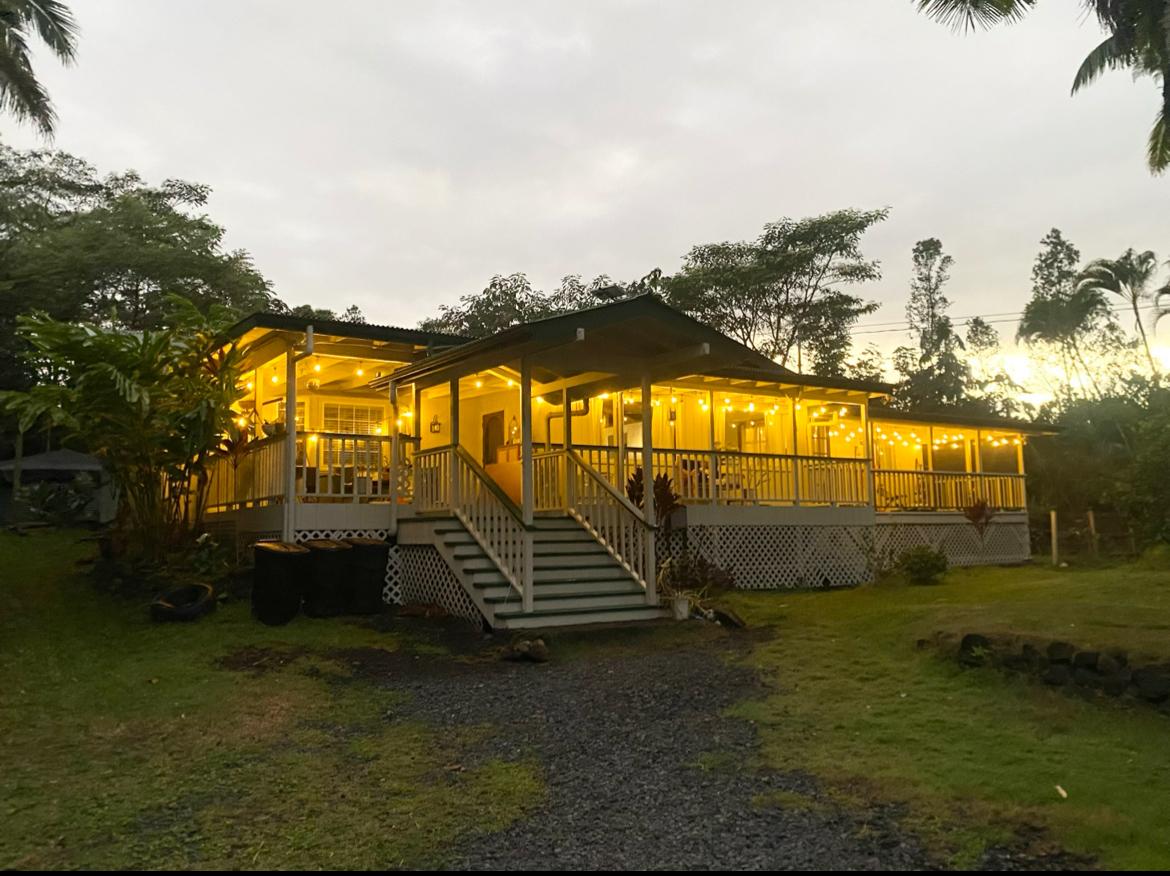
(367, 574)
(279, 582)
(329, 587)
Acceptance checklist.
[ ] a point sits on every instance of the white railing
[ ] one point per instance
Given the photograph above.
(251, 481)
(448, 479)
(432, 479)
(743, 478)
(333, 466)
(548, 480)
(947, 491)
(611, 519)
(494, 522)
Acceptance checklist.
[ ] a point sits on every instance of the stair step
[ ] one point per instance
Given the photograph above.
(493, 575)
(556, 618)
(553, 589)
(583, 549)
(479, 562)
(597, 602)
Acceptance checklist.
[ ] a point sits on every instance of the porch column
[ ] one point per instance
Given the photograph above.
(795, 453)
(526, 485)
(867, 430)
(570, 485)
(619, 425)
(930, 481)
(290, 444)
(394, 449)
(713, 462)
(454, 442)
(648, 488)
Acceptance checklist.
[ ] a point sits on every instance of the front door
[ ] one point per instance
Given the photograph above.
(493, 436)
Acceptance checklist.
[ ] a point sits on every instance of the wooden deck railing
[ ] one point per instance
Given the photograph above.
(252, 481)
(743, 478)
(947, 491)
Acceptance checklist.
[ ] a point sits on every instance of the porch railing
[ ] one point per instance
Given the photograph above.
(947, 491)
(251, 481)
(732, 477)
(343, 467)
(610, 518)
(449, 479)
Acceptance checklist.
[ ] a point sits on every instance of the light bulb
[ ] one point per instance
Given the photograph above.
(317, 367)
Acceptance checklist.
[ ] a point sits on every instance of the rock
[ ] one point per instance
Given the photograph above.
(1153, 685)
(1061, 652)
(1086, 659)
(1031, 654)
(1117, 654)
(725, 617)
(1107, 664)
(1087, 677)
(1117, 683)
(974, 649)
(1057, 674)
(529, 650)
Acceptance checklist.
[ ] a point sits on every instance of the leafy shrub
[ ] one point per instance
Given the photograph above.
(665, 498)
(689, 574)
(922, 565)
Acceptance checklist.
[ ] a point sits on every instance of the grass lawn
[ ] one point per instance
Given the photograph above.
(125, 745)
(973, 754)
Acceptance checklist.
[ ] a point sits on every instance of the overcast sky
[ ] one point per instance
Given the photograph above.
(397, 154)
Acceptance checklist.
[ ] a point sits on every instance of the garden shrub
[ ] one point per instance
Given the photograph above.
(922, 565)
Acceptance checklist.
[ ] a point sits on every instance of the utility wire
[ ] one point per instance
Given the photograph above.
(875, 328)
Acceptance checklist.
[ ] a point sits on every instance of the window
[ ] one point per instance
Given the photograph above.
(353, 419)
(300, 415)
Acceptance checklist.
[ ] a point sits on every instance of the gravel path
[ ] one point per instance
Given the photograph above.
(620, 740)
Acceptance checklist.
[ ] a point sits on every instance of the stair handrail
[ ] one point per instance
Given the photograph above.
(495, 522)
(613, 521)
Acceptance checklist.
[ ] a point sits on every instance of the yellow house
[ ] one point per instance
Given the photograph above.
(508, 470)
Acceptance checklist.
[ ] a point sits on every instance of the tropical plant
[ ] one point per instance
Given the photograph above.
(151, 405)
(1128, 276)
(1064, 323)
(21, 93)
(1138, 40)
(666, 500)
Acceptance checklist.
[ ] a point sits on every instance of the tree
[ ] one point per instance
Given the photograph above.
(785, 292)
(934, 374)
(1128, 276)
(111, 250)
(1138, 40)
(1060, 313)
(21, 93)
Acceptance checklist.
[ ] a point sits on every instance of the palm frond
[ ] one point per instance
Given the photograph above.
(53, 22)
(972, 14)
(1109, 55)
(21, 93)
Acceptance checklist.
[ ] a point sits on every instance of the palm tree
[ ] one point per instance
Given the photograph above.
(1128, 277)
(1139, 39)
(21, 93)
(1063, 322)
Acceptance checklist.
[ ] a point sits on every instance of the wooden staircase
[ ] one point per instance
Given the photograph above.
(576, 580)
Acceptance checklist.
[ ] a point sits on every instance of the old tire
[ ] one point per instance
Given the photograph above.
(187, 603)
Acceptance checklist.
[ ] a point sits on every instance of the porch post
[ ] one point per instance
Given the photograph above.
(648, 488)
(713, 462)
(570, 499)
(394, 449)
(454, 442)
(795, 453)
(930, 480)
(866, 429)
(619, 424)
(290, 445)
(526, 485)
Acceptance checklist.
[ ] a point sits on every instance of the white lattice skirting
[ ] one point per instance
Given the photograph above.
(1004, 542)
(425, 578)
(773, 557)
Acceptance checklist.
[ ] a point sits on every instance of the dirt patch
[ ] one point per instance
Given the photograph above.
(257, 660)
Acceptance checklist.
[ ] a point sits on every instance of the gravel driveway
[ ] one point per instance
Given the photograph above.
(621, 739)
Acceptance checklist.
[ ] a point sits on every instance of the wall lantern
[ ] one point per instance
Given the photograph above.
(436, 426)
